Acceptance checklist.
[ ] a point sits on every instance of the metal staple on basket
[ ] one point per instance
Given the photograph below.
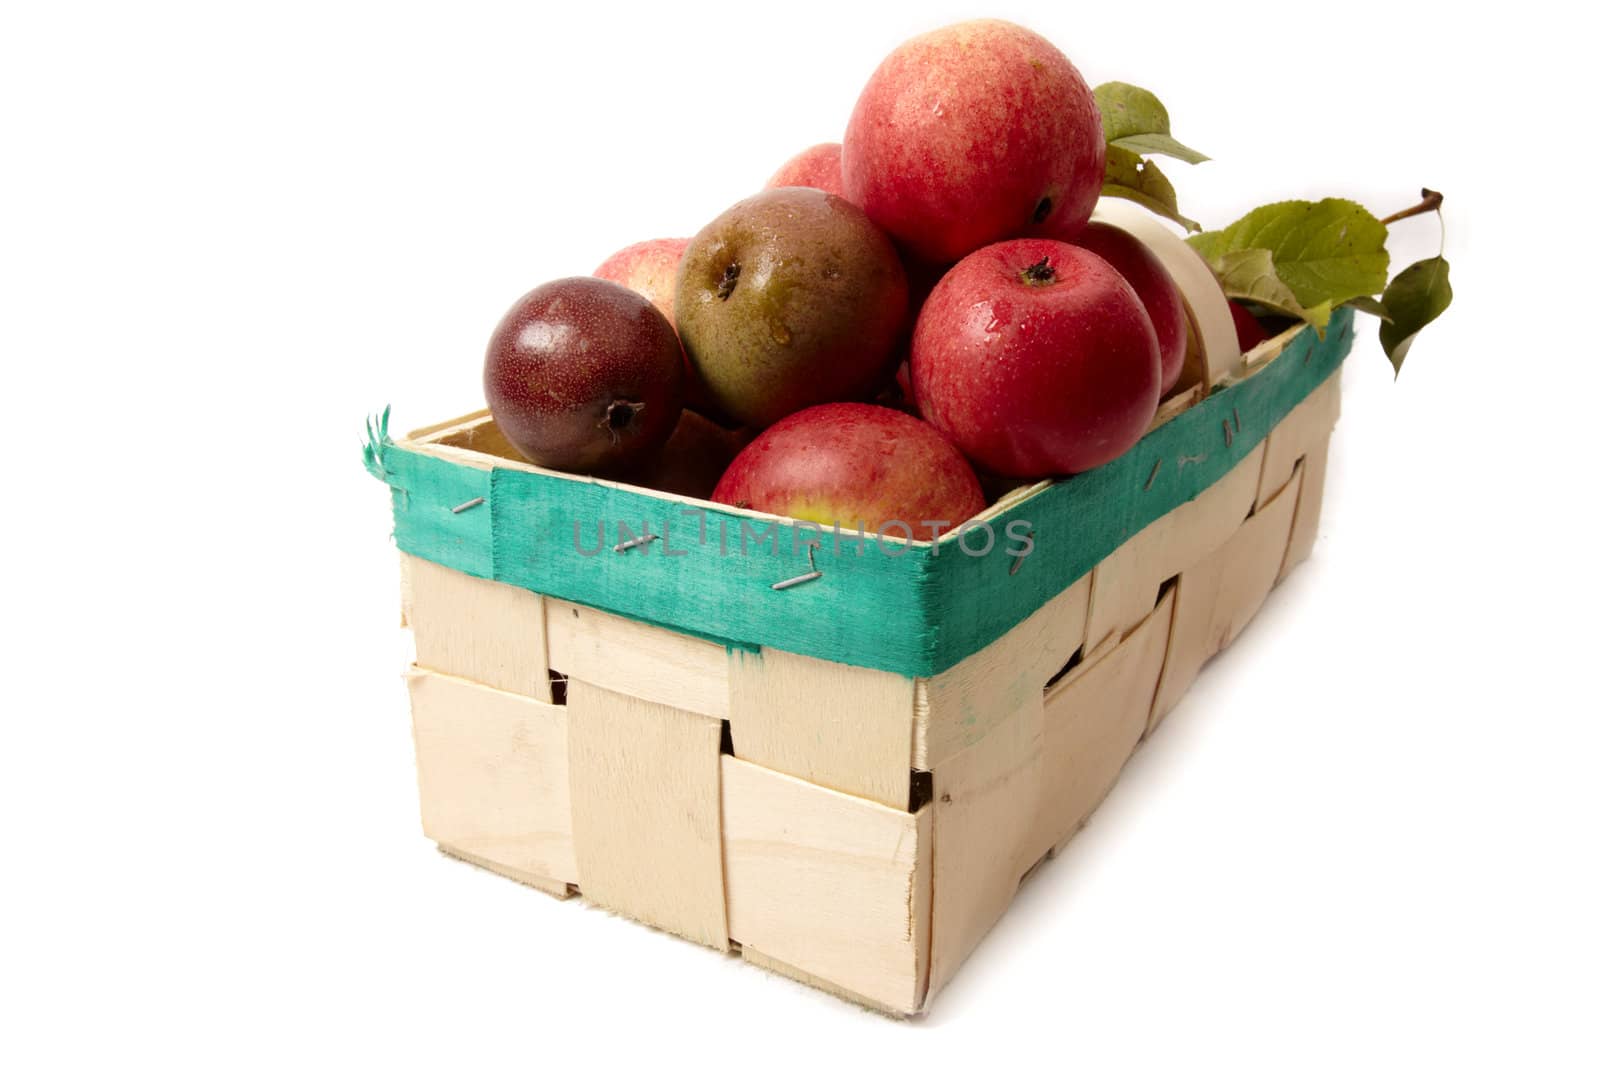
(801, 579)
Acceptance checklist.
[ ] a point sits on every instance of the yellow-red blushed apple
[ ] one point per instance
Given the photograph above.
(649, 268)
(862, 466)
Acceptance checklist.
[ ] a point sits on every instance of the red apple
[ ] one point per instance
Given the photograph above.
(817, 168)
(1036, 358)
(1248, 328)
(921, 277)
(1158, 292)
(902, 394)
(649, 268)
(583, 375)
(694, 457)
(858, 465)
(972, 134)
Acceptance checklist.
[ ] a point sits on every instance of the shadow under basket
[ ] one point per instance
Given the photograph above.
(625, 694)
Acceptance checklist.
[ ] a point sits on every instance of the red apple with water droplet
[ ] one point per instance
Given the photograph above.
(1036, 358)
(971, 134)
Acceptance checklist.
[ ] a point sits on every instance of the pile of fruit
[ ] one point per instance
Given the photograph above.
(899, 322)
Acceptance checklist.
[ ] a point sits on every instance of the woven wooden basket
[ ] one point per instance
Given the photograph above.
(844, 779)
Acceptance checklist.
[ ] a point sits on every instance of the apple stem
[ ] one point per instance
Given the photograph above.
(730, 278)
(1040, 273)
(1430, 202)
(620, 415)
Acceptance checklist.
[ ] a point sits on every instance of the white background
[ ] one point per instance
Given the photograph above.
(231, 232)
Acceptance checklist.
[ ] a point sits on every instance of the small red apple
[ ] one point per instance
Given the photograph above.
(1246, 326)
(694, 457)
(649, 268)
(1036, 358)
(817, 168)
(1158, 292)
(858, 465)
(972, 134)
(584, 375)
(903, 395)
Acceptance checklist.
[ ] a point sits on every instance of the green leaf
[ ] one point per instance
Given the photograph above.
(1160, 144)
(1134, 119)
(1127, 110)
(1369, 305)
(1141, 181)
(1331, 250)
(1418, 295)
(1249, 275)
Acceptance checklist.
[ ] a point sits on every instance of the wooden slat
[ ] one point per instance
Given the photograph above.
(473, 628)
(1259, 357)
(476, 441)
(957, 708)
(492, 776)
(1302, 431)
(833, 886)
(1179, 401)
(984, 800)
(1093, 720)
(405, 591)
(646, 811)
(1218, 596)
(1127, 582)
(559, 890)
(776, 966)
(1307, 509)
(481, 435)
(1208, 308)
(448, 427)
(636, 659)
(841, 727)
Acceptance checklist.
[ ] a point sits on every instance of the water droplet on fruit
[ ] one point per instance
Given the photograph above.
(938, 108)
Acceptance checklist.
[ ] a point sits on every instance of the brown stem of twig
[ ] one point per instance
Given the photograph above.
(1430, 202)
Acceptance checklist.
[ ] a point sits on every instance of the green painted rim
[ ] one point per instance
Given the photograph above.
(913, 609)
